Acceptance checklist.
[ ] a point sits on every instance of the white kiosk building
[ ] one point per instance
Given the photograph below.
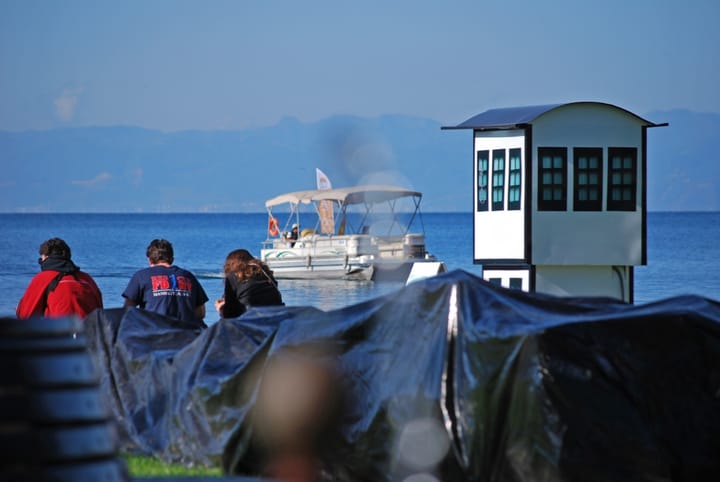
(560, 203)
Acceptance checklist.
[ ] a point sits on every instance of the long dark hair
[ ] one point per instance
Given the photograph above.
(243, 265)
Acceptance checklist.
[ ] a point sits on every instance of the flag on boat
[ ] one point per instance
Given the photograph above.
(325, 208)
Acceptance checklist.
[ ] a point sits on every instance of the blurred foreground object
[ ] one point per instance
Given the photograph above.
(298, 414)
(53, 423)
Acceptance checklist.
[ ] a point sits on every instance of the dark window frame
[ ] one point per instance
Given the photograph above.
(628, 179)
(588, 171)
(515, 283)
(483, 181)
(514, 179)
(552, 204)
(498, 174)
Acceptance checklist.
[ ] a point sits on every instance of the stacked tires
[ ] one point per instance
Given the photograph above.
(53, 423)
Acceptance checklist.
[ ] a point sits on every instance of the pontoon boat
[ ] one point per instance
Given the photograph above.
(360, 232)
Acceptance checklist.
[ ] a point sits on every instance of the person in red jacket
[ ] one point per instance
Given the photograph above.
(60, 289)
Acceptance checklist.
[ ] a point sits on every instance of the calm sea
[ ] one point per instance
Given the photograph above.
(683, 253)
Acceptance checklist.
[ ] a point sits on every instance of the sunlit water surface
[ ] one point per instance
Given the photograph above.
(683, 253)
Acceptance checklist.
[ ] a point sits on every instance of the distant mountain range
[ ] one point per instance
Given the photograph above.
(130, 169)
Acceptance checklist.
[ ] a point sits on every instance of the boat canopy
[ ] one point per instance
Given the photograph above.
(367, 194)
(296, 197)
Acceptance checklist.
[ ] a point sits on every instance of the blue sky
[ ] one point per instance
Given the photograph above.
(175, 65)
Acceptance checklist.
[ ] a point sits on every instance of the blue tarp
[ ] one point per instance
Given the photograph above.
(449, 376)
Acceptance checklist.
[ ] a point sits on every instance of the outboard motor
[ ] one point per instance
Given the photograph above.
(414, 245)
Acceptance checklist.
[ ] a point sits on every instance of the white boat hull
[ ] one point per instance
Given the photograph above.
(351, 257)
(288, 266)
(321, 257)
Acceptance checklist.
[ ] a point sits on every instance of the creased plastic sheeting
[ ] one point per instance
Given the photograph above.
(177, 391)
(391, 355)
(450, 377)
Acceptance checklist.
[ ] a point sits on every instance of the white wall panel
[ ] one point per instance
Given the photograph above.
(581, 281)
(499, 234)
(587, 238)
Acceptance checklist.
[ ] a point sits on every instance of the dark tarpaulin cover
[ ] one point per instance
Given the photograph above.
(449, 376)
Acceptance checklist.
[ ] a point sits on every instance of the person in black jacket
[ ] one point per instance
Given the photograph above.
(248, 282)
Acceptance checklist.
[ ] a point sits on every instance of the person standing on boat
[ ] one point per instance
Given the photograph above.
(292, 236)
(60, 289)
(248, 282)
(165, 288)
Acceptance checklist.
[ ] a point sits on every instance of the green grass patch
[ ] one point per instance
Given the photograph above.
(144, 466)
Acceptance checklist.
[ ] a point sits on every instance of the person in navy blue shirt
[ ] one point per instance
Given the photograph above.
(165, 288)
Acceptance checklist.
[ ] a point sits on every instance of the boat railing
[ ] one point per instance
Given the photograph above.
(390, 246)
(409, 246)
(312, 244)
